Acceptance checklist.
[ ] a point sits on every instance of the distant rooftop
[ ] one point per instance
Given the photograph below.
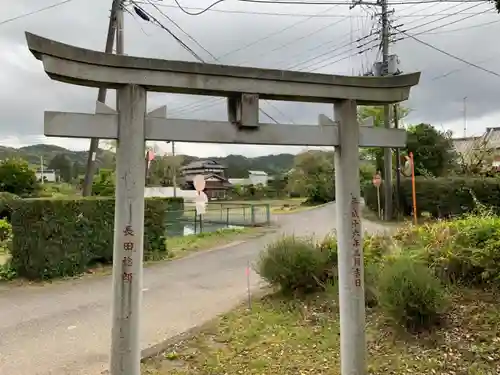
(203, 164)
(258, 173)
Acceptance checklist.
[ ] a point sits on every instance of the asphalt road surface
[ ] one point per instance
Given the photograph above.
(64, 328)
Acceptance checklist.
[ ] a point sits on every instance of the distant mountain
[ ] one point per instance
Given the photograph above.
(237, 165)
(33, 153)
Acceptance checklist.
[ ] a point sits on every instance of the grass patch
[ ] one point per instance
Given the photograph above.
(279, 337)
(185, 245)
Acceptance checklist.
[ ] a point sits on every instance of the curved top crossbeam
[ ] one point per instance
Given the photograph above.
(79, 66)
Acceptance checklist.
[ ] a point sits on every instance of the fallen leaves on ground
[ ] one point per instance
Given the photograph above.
(302, 337)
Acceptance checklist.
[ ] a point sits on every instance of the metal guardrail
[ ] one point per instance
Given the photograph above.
(217, 216)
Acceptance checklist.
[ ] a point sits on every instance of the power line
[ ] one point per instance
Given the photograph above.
(444, 75)
(34, 12)
(443, 17)
(450, 54)
(150, 18)
(181, 29)
(463, 28)
(296, 15)
(140, 10)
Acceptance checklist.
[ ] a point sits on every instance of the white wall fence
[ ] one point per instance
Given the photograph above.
(168, 191)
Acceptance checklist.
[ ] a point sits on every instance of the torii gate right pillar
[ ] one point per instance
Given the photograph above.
(349, 240)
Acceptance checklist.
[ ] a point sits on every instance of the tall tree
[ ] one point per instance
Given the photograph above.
(163, 169)
(432, 149)
(313, 177)
(63, 166)
(376, 154)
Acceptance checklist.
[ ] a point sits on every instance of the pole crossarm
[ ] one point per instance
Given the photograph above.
(104, 125)
(90, 68)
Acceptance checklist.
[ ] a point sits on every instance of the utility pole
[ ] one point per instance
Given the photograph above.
(101, 97)
(465, 116)
(387, 114)
(398, 163)
(174, 170)
(41, 170)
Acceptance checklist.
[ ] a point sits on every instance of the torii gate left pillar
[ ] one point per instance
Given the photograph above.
(129, 231)
(243, 87)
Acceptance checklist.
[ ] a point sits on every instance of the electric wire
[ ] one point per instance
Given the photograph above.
(450, 54)
(464, 28)
(3, 22)
(189, 49)
(182, 30)
(284, 14)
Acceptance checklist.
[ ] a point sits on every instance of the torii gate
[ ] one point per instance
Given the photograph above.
(132, 77)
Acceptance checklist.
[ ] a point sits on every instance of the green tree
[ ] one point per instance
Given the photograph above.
(63, 166)
(163, 169)
(77, 169)
(313, 176)
(17, 178)
(432, 149)
(376, 154)
(104, 183)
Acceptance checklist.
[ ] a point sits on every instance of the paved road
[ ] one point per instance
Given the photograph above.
(64, 328)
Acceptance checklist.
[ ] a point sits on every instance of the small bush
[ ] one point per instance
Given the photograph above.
(7, 203)
(62, 237)
(410, 294)
(5, 235)
(295, 264)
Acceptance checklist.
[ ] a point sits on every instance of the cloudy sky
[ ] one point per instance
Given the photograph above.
(318, 38)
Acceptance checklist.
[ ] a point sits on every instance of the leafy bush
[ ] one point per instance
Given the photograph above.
(296, 264)
(17, 178)
(7, 202)
(464, 251)
(5, 235)
(410, 294)
(62, 237)
(104, 184)
(442, 197)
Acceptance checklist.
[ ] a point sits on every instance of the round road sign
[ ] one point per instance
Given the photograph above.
(199, 182)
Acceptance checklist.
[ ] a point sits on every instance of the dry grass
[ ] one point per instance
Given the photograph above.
(281, 337)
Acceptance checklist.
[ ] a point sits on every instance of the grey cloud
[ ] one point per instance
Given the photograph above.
(26, 92)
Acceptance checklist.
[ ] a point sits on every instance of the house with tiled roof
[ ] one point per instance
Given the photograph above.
(485, 147)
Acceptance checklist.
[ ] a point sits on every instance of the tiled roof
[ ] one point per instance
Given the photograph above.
(467, 145)
(199, 164)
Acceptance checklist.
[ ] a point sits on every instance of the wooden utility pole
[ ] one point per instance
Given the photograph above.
(387, 114)
(116, 7)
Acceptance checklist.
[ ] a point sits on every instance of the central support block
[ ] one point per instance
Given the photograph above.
(243, 110)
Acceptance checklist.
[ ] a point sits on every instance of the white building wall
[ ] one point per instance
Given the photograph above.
(258, 179)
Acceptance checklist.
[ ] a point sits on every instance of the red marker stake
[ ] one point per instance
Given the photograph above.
(247, 271)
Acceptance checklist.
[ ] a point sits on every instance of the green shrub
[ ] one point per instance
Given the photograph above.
(464, 251)
(295, 265)
(16, 177)
(62, 237)
(441, 197)
(7, 203)
(410, 294)
(5, 235)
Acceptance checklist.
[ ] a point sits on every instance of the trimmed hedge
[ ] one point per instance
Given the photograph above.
(442, 197)
(63, 237)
